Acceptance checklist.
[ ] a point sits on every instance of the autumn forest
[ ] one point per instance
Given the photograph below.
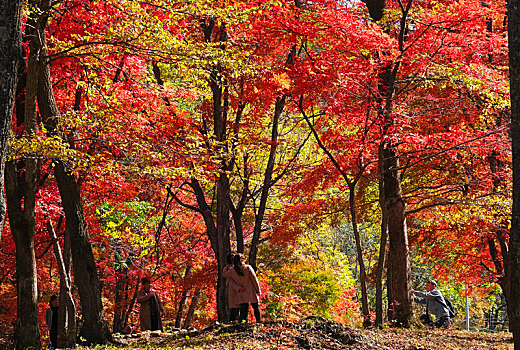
(351, 150)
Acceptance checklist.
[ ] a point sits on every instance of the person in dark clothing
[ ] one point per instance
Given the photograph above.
(435, 305)
(51, 318)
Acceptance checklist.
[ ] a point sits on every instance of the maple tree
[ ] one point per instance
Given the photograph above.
(175, 140)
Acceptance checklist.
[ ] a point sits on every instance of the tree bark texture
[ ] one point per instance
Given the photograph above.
(21, 191)
(11, 62)
(95, 328)
(513, 10)
(398, 254)
(21, 178)
(375, 8)
(398, 267)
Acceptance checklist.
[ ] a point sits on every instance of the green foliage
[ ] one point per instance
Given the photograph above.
(124, 225)
(302, 289)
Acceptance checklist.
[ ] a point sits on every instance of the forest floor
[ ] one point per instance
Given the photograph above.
(313, 333)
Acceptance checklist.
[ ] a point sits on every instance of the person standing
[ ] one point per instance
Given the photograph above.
(249, 292)
(51, 319)
(232, 290)
(435, 305)
(151, 307)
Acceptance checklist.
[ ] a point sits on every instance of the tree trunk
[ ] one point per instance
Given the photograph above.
(359, 254)
(182, 302)
(121, 297)
(224, 244)
(375, 8)
(95, 329)
(513, 10)
(398, 255)
(67, 309)
(11, 63)
(213, 234)
(191, 310)
(381, 262)
(180, 311)
(503, 263)
(21, 179)
(268, 174)
(21, 191)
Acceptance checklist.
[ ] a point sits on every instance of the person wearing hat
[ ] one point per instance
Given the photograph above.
(435, 305)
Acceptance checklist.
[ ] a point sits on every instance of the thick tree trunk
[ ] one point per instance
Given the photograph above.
(224, 244)
(67, 309)
(21, 191)
(94, 329)
(375, 8)
(11, 61)
(21, 187)
(513, 10)
(398, 255)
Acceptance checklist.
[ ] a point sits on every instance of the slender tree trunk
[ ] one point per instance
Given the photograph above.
(268, 175)
(121, 297)
(381, 262)
(239, 210)
(11, 64)
(502, 263)
(513, 10)
(182, 302)
(359, 254)
(180, 311)
(398, 267)
(191, 310)
(67, 309)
